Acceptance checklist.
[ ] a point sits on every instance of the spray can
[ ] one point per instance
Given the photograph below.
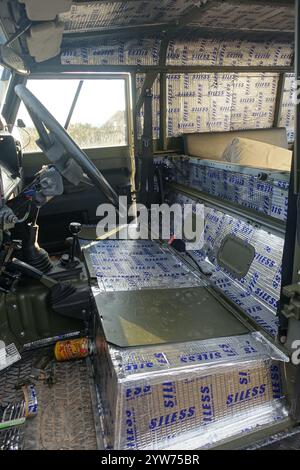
(72, 349)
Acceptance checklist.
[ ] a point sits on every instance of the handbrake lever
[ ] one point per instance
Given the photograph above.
(33, 273)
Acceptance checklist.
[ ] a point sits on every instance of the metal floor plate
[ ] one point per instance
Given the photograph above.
(65, 417)
(148, 317)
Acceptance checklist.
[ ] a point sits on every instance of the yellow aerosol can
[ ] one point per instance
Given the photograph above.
(72, 349)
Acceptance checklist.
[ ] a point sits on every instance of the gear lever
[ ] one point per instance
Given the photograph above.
(69, 260)
(74, 228)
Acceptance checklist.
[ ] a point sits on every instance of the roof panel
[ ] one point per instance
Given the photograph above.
(94, 15)
(88, 16)
(247, 16)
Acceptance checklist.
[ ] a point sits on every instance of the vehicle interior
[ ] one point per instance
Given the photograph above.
(178, 108)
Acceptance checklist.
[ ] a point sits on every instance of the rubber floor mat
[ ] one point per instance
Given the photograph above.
(65, 418)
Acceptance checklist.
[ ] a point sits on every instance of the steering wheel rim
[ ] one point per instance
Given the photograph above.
(42, 118)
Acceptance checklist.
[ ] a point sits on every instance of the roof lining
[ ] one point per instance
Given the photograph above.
(184, 26)
(186, 21)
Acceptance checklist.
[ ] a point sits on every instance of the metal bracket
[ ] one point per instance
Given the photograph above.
(292, 310)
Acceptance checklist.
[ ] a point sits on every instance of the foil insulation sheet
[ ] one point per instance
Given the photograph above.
(247, 15)
(124, 265)
(197, 51)
(236, 185)
(206, 51)
(95, 15)
(111, 52)
(257, 294)
(8, 356)
(287, 114)
(189, 395)
(204, 102)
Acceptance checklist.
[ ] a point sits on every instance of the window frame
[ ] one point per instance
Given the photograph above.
(93, 76)
(4, 72)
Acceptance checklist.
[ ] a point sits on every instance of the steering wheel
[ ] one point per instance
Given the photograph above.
(60, 148)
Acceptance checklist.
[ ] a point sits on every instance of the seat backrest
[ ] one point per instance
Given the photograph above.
(211, 145)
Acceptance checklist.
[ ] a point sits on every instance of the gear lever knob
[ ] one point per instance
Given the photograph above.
(69, 260)
(75, 228)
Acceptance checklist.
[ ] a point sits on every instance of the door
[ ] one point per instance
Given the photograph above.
(96, 113)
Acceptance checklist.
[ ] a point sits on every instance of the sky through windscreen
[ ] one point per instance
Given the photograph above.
(98, 101)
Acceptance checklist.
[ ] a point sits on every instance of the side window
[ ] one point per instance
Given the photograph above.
(92, 110)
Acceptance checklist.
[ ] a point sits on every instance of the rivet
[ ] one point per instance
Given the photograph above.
(283, 339)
